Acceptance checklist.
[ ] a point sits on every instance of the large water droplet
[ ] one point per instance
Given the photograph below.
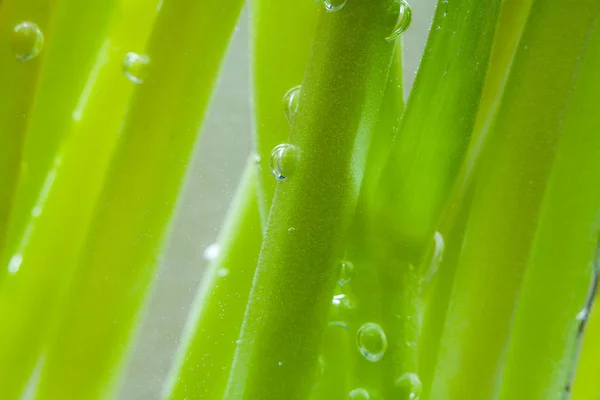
(359, 394)
(135, 67)
(371, 341)
(409, 387)
(404, 20)
(28, 41)
(346, 272)
(283, 161)
(290, 103)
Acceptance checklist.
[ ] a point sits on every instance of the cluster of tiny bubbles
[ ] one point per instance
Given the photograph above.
(332, 5)
(135, 67)
(409, 386)
(371, 341)
(290, 102)
(346, 272)
(27, 41)
(404, 20)
(283, 161)
(359, 394)
(211, 252)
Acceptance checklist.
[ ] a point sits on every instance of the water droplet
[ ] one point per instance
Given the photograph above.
(211, 252)
(283, 161)
(346, 272)
(404, 20)
(290, 102)
(28, 41)
(15, 263)
(371, 341)
(135, 67)
(291, 231)
(359, 394)
(222, 272)
(280, 363)
(409, 386)
(257, 159)
(332, 5)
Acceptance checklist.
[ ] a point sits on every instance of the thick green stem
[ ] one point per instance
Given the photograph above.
(511, 181)
(292, 289)
(157, 138)
(202, 366)
(562, 265)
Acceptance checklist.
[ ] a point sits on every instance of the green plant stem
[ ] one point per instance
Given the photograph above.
(30, 294)
(204, 359)
(76, 37)
(510, 186)
(587, 385)
(282, 34)
(291, 293)
(115, 270)
(18, 80)
(439, 277)
(562, 265)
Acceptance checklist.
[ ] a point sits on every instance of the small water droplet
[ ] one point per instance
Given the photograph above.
(291, 231)
(283, 161)
(436, 259)
(211, 252)
(371, 341)
(409, 386)
(291, 100)
(404, 20)
(332, 5)
(346, 272)
(359, 394)
(339, 324)
(28, 41)
(280, 363)
(135, 67)
(15, 263)
(222, 272)
(257, 159)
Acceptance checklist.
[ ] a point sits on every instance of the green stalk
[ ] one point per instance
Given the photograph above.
(203, 363)
(77, 31)
(587, 385)
(509, 189)
(31, 293)
(282, 33)
(439, 277)
(291, 293)
(18, 80)
(116, 267)
(562, 265)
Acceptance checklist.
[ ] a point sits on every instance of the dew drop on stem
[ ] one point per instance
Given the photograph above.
(290, 103)
(408, 387)
(346, 272)
(135, 67)
(27, 41)
(283, 161)
(332, 5)
(404, 20)
(359, 394)
(371, 341)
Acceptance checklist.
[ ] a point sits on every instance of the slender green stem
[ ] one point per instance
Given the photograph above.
(510, 185)
(587, 385)
(292, 289)
(18, 80)
(282, 33)
(562, 265)
(157, 138)
(204, 359)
